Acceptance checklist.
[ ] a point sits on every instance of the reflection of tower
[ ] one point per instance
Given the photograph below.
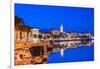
(62, 52)
(61, 28)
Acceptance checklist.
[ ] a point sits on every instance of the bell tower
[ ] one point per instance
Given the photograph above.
(61, 28)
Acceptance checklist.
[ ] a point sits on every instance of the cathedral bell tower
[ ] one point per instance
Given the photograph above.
(61, 28)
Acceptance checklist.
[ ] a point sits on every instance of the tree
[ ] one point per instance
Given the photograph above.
(20, 25)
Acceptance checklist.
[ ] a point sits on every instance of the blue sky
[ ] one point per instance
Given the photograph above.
(74, 19)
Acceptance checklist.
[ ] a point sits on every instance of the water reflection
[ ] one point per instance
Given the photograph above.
(61, 46)
(39, 54)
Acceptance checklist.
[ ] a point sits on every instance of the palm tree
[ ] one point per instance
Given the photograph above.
(26, 29)
(20, 25)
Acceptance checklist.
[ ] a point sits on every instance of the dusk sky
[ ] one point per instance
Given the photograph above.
(74, 19)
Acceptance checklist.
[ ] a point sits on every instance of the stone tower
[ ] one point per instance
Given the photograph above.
(61, 28)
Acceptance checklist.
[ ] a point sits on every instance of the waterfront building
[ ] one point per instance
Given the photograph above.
(46, 35)
(35, 31)
(55, 32)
